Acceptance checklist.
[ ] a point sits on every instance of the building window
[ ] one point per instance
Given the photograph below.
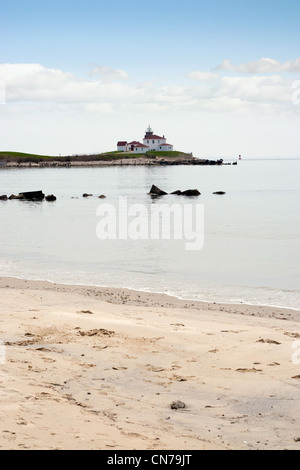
(152, 141)
(147, 141)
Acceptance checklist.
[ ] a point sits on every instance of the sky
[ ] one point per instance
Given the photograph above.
(217, 78)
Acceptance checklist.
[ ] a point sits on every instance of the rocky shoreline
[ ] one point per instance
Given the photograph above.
(96, 162)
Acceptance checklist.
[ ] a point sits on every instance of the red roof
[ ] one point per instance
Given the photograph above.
(121, 143)
(133, 142)
(154, 137)
(169, 145)
(139, 145)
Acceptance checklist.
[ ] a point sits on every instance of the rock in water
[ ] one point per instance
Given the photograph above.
(33, 195)
(3, 198)
(86, 195)
(219, 192)
(191, 192)
(155, 191)
(50, 198)
(177, 192)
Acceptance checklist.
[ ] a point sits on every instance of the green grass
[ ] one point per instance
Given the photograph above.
(11, 156)
(20, 157)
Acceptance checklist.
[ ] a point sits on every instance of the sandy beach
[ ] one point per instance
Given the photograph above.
(99, 368)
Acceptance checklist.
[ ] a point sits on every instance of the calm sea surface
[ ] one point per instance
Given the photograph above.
(251, 247)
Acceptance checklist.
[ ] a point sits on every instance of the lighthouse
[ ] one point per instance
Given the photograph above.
(149, 133)
(151, 141)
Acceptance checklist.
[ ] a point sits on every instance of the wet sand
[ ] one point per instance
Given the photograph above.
(98, 368)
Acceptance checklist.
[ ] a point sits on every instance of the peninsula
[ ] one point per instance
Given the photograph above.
(17, 159)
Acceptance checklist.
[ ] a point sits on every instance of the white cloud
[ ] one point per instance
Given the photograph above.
(238, 92)
(109, 74)
(29, 76)
(33, 82)
(37, 85)
(203, 76)
(263, 65)
(262, 89)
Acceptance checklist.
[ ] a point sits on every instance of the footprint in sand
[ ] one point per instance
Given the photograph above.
(22, 422)
(154, 368)
(269, 341)
(293, 335)
(9, 435)
(178, 378)
(97, 332)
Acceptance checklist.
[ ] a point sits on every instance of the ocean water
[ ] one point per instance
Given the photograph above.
(251, 249)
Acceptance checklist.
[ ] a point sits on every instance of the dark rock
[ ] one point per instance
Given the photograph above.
(155, 191)
(191, 192)
(176, 405)
(102, 196)
(234, 163)
(3, 198)
(188, 192)
(50, 198)
(86, 195)
(33, 195)
(177, 192)
(219, 192)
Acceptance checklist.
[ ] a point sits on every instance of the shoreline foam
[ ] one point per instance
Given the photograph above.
(148, 297)
(239, 302)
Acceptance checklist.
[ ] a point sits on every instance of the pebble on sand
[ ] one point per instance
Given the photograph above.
(176, 405)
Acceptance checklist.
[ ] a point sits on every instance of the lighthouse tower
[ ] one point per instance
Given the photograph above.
(156, 142)
(149, 133)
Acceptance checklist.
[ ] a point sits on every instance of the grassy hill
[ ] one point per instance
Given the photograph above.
(20, 157)
(24, 157)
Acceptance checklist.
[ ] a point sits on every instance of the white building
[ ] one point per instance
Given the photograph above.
(141, 148)
(156, 142)
(122, 146)
(165, 147)
(151, 141)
